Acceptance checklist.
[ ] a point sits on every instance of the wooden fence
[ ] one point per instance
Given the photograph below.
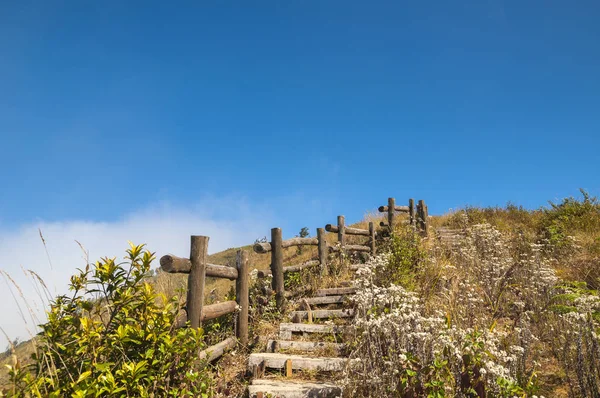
(417, 218)
(198, 268)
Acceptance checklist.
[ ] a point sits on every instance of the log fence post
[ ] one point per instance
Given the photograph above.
(342, 234)
(426, 219)
(242, 296)
(391, 213)
(422, 215)
(411, 212)
(372, 240)
(196, 279)
(322, 251)
(277, 266)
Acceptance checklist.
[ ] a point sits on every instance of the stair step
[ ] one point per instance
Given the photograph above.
(277, 345)
(356, 267)
(325, 300)
(322, 314)
(293, 389)
(299, 362)
(286, 329)
(336, 291)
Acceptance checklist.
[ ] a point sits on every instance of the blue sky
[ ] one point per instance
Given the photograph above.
(227, 112)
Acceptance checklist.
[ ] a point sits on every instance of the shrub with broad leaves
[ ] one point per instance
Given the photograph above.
(113, 336)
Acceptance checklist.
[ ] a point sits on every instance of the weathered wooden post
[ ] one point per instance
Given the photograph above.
(196, 278)
(372, 235)
(419, 217)
(341, 232)
(277, 266)
(242, 296)
(426, 218)
(391, 213)
(422, 215)
(322, 248)
(411, 212)
(342, 237)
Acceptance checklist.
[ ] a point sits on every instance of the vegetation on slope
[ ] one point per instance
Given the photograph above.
(113, 335)
(511, 308)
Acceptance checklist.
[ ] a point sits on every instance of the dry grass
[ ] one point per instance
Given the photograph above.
(579, 262)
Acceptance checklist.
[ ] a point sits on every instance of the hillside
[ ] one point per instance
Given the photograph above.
(500, 301)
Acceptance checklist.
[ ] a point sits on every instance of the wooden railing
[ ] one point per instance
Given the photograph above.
(342, 231)
(198, 269)
(417, 219)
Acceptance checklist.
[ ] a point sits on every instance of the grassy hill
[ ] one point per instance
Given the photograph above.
(527, 278)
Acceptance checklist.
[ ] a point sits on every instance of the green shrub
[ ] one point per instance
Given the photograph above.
(406, 256)
(113, 336)
(569, 217)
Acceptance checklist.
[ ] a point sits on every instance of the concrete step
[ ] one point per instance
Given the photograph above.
(298, 362)
(336, 291)
(286, 329)
(323, 314)
(325, 300)
(263, 388)
(278, 345)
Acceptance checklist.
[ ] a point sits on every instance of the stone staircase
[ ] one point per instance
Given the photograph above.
(305, 349)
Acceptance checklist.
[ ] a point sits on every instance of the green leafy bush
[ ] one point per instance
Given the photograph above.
(113, 336)
(406, 257)
(571, 216)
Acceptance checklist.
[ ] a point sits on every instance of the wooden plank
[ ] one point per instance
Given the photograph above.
(219, 309)
(325, 300)
(217, 350)
(178, 265)
(196, 278)
(298, 362)
(322, 314)
(292, 389)
(288, 368)
(299, 345)
(242, 296)
(335, 291)
(351, 248)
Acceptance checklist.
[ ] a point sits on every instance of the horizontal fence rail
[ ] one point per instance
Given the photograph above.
(265, 247)
(178, 265)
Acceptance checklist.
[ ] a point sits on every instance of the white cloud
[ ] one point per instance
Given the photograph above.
(164, 228)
